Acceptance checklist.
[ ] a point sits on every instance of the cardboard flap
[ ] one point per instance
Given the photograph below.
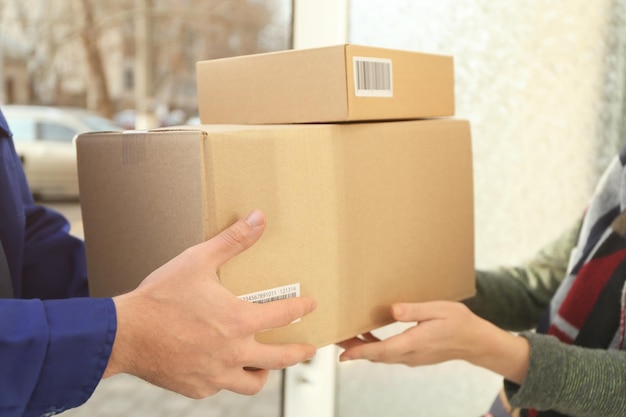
(127, 182)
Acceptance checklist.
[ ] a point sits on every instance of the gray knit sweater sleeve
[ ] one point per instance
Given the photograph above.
(569, 379)
(514, 298)
(572, 380)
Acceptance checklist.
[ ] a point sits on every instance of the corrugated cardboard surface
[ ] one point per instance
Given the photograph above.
(359, 215)
(317, 85)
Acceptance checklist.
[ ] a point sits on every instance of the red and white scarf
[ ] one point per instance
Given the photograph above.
(588, 308)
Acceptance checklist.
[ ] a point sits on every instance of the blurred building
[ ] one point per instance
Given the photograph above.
(15, 86)
(83, 53)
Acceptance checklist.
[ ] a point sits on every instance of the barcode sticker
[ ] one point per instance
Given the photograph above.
(373, 77)
(273, 294)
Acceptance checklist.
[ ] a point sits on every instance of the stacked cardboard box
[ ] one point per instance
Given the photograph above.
(367, 201)
(344, 83)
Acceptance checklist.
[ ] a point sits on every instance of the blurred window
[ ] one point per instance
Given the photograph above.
(23, 129)
(55, 132)
(100, 124)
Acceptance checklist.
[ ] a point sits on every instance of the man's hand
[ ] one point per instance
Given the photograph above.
(444, 330)
(181, 330)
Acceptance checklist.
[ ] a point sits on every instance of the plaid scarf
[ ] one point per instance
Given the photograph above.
(588, 308)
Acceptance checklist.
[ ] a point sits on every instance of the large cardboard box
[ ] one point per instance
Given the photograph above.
(358, 215)
(329, 84)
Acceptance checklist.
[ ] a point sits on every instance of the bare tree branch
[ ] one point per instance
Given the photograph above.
(97, 76)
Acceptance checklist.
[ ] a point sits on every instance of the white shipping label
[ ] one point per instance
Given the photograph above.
(373, 77)
(273, 294)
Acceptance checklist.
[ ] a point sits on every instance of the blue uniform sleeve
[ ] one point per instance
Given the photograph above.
(55, 343)
(54, 262)
(52, 353)
(45, 261)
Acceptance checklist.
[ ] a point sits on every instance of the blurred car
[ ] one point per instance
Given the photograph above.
(125, 118)
(195, 120)
(173, 118)
(44, 140)
(128, 119)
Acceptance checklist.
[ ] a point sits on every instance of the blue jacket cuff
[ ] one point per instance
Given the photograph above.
(81, 336)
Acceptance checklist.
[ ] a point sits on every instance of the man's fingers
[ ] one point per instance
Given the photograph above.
(246, 382)
(277, 356)
(281, 313)
(236, 238)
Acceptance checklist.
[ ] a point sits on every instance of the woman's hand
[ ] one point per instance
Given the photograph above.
(444, 331)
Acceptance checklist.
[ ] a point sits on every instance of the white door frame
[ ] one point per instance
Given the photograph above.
(309, 389)
(320, 23)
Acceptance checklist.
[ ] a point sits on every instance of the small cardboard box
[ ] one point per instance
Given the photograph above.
(330, 84)
(358, 215)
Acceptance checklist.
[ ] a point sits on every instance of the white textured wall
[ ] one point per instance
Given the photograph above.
(541, 83)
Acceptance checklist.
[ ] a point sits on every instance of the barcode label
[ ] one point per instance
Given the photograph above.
(273, 294)
(373, 77)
